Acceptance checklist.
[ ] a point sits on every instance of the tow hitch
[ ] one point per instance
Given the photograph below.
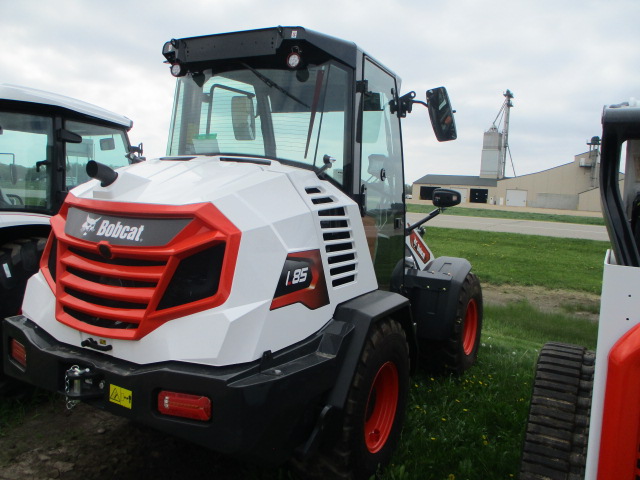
(81, 384)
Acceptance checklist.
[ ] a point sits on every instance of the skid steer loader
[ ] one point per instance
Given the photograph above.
(258, 290)
(584, 421)
(46, 140)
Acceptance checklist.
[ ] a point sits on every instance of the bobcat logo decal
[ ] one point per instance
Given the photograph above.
(89, 225)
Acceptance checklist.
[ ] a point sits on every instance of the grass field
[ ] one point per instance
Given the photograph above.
(512, 258)
(471, 428)
(481, 212)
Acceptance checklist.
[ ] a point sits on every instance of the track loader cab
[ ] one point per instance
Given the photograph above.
(45, 142)
(258, 290)
(584, 421)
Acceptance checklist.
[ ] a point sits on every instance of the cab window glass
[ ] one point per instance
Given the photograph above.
(103, 144)
(26, 144)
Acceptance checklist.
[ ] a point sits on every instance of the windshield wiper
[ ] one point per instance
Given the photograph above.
(273, 84)
(314, 109)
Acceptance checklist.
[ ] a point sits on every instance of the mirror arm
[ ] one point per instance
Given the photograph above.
(135, 154)
(431, 215)
(403, 105)
(42, 163)
(328, 163)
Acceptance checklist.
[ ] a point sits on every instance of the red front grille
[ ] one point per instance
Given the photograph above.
(126, 291)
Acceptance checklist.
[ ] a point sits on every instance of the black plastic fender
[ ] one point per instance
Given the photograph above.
(434, 295)
(361, 312)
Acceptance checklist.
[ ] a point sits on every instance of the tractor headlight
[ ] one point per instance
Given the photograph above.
(169, 51)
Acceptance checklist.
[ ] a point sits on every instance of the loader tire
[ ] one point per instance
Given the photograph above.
(459, 352)
(19, 260)
(374, 411)
(555, 444)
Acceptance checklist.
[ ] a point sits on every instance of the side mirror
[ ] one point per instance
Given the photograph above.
(373, 109)
(372, 102)
(107, 144)
(444, 198)
(243, 118)
(441, 114)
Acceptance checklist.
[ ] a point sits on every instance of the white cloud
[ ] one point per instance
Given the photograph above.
(563, 61)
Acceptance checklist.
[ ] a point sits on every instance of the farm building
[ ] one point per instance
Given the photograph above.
(573, 186)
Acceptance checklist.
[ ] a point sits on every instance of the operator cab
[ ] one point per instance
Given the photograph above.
(621, 209)
(308, 100)
(46, 141)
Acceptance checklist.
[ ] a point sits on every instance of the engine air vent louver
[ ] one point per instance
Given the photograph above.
(337, 236)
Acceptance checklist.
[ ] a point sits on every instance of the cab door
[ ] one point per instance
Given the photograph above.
(381, 171)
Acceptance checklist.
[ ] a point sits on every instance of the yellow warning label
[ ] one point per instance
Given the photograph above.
(120, 396)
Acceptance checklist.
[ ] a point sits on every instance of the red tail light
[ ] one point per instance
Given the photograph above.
(196, 407)
(18, 352)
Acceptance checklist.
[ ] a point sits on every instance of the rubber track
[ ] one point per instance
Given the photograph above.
(555, 444)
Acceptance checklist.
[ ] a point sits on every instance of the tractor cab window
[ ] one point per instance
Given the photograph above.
(103, 144)
(381, 173)
(26, 143)
(291, 115)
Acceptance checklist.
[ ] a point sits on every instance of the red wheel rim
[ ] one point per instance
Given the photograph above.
(470, 327)
(381, 407)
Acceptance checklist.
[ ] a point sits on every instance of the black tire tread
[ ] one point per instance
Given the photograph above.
(556, 437)
(447, 357)
(336, 462)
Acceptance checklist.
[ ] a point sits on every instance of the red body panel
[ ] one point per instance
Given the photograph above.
(208, 227)
(620, 437)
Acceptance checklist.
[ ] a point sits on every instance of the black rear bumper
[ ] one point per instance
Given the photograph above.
(260, 411)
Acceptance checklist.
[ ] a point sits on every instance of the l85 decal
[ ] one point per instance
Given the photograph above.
(301, 281)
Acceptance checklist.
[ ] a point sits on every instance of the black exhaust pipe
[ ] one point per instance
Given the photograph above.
(99, 171)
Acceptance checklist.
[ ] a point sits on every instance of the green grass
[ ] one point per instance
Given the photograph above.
(490, 213)
(511, 258)
(472, 427)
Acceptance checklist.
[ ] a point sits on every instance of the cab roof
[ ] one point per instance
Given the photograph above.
(31, 95)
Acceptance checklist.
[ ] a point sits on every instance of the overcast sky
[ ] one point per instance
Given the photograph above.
(562, 59)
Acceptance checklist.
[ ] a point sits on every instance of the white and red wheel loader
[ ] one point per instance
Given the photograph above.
(584, 421)
(46, 140)
(258, 290)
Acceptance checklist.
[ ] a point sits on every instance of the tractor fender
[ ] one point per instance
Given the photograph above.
(434, 293)
(362, 312)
